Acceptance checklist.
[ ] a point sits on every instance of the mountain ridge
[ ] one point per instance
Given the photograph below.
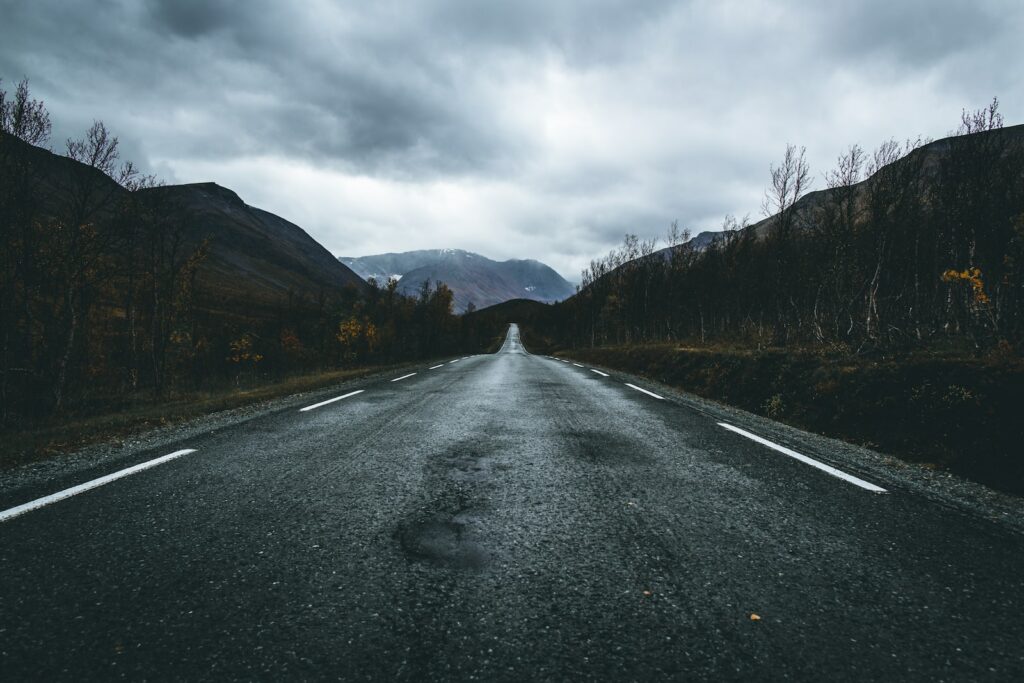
(253, 258)
(474, 279)
(928, 156)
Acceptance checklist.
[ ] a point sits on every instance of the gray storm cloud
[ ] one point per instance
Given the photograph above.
(528, 129)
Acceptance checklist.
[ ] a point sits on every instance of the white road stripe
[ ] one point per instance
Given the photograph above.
(330, 400)
(454, 361)
(577, 365)
(807, 461)
(399, 379)
(436, 367)
(81, 488)
(649, 393)
(603, 374)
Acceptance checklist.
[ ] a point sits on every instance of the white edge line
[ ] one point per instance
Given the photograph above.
(399, 379)
(454, 361)
(603, 374)
(577, 365)
(81, 488)
(649, 393)
(807, 461)
(436, 367)
(331, 400)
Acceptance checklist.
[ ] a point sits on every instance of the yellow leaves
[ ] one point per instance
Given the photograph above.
(755, 617)
(242, 351)
(971, 276)
(371, 335)
(952, 275)
(352, 331)
(348, 331)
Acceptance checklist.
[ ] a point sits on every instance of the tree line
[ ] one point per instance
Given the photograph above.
(910, 245)
(101, 300)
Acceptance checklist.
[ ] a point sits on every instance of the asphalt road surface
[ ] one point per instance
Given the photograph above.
(500, 517)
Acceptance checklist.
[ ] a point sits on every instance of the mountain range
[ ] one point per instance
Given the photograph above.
(256, 262)
(474, 279)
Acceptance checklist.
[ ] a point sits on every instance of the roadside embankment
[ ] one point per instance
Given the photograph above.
(964, 415)
(131, 416)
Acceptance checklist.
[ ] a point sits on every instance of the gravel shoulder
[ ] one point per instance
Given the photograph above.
(939, 486)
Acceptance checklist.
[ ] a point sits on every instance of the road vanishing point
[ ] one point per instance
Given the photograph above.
(500, 517)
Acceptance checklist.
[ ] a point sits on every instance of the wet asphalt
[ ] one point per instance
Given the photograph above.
(502, 517)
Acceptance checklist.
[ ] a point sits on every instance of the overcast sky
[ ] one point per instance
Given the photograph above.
(527, 129)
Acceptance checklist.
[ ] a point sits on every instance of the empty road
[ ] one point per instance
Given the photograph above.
(500, 517)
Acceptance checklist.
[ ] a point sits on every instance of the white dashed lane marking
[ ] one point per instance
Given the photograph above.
(856, 481)
(89, 485)
(644, 391)
(330, 400)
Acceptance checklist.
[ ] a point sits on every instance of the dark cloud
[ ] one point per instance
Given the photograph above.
(533, 128)
(191, 18)
(917, 32)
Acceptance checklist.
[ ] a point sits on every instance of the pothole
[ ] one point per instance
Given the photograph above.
(442, 541)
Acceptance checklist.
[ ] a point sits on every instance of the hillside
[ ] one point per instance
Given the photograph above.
(112, 288)
(474, 279)
(925, 165)
(252, 256)
(925, 250)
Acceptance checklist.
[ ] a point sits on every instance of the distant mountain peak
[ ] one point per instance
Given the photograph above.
(473, 278)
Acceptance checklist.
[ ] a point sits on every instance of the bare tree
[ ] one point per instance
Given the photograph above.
(981, 120)
(81, 238)
(789, 182)
(24, 117)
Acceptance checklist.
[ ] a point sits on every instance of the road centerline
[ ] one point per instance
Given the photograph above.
(89, 485)
(856, 481)
(331, 400)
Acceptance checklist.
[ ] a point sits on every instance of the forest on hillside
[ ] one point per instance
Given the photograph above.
(913, 245)
(103, 301)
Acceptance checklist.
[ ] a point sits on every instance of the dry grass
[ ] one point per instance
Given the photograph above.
(57, 436)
